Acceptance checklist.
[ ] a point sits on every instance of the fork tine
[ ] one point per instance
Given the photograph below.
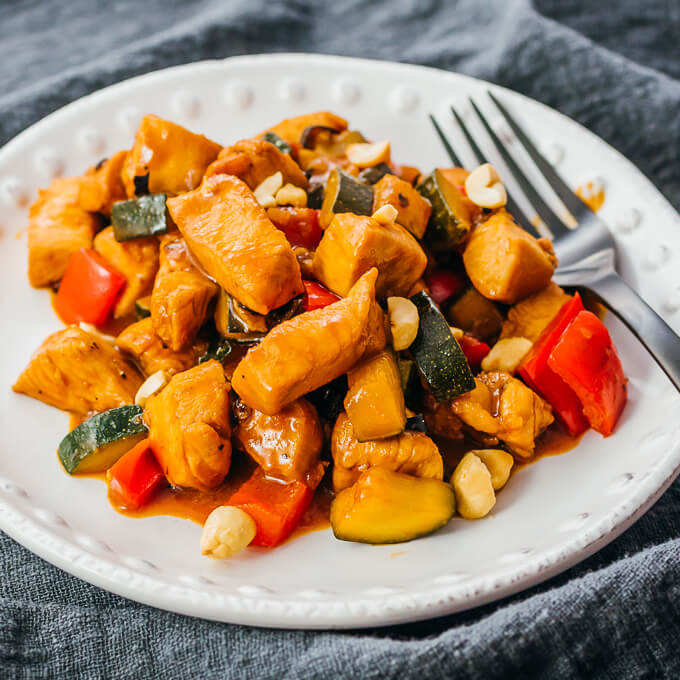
(514, 209)
(559, 186)
(554, 223)
(473, 145)
(449, 149)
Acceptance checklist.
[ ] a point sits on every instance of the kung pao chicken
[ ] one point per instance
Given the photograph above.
(301, 300)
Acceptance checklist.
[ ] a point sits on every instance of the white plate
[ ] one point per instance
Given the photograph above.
(551, 515)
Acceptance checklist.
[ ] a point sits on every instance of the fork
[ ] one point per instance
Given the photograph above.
(586, 254)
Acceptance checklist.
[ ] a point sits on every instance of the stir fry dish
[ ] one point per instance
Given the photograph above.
(297, 325)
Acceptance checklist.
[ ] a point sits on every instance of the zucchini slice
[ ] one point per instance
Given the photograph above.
(375, 174)
(315, 197)
(309, 135)
(389, 507)
(375, 401)
(235, 322)
(241, 320)
(345, 194)
(139, 217)
(143, 307)
(438, 354)
(96, 444)
(450, 220)
(281, 144)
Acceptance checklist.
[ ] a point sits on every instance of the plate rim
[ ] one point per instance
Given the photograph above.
(340, 612)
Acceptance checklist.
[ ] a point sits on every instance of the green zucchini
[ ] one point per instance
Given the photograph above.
(345, 194)
(292, 308)
(375, 174)
(315, 197)
(310, 134)
(338, 144)
(143, 307)
(139, 217)
(241, 320)
(237, 323)
(437, 353)
(281, 144)
(96, 444)
(475, 314)
(450, 219)
(389, 507)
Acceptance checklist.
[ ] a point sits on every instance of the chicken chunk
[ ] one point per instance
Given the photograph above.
(476, 409)
(311, 349)
(413, 210)
(190, 428)
(57, 228)
(503, 407)
(78, 372)
(136, 260)
(504, 262)
(412, 453)
(528, 318)
(152, 354)
(167, 157)
(353, 244)
(253, 160)
(290, 129)
(102, 185)
(521, 413)
(286, 445)
(181, 295)
(236, 243)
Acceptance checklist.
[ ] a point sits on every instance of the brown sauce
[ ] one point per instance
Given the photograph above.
(554, 441)
(197, 505)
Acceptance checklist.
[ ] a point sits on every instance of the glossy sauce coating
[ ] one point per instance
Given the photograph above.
(196, 506)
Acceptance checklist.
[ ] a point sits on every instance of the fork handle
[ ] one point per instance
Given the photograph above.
(652, 331)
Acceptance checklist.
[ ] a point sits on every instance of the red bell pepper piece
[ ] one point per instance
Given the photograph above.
(586, 359)
(276, 507)
(536, 372)
(89, 288)
(135, 477)
(443, 284)
(300, 225)
(474, 350)
(316, 296)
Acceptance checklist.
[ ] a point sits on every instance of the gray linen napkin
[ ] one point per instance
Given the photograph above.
(612, 66)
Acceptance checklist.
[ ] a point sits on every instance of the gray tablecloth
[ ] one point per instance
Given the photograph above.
(612, 66)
